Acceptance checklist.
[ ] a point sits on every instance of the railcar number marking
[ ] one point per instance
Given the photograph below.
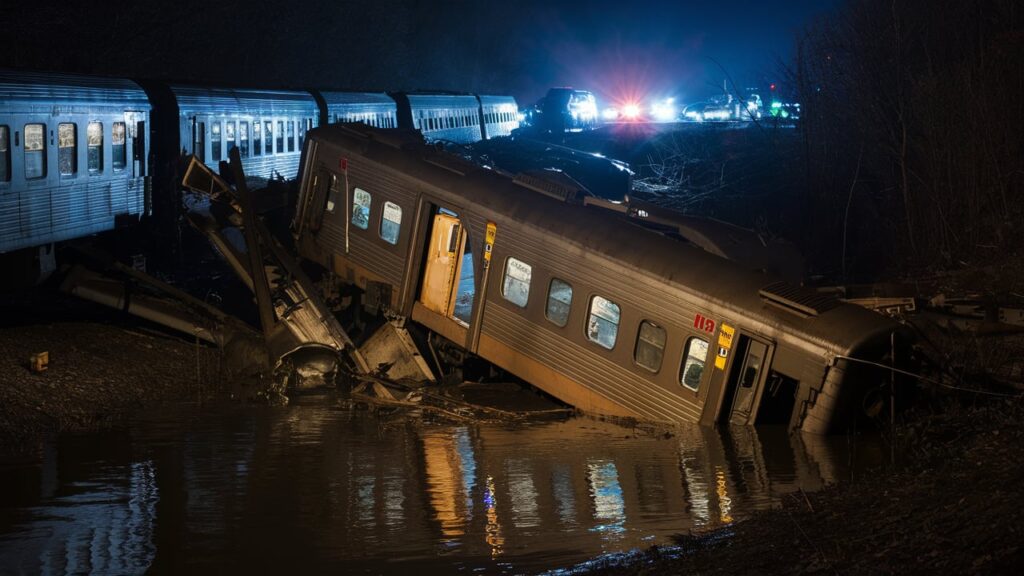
(702, 323)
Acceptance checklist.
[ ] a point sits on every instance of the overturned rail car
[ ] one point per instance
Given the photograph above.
(609, 316)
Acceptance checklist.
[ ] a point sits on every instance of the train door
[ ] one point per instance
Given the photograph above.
(745, 380)
(447, 286)
(137, 131)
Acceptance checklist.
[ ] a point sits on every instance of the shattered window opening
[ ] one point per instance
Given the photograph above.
(693, 363)
(516, 286)
(559, 302)
(603, 322)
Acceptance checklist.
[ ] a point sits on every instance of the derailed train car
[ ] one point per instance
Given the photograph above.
(582, 303)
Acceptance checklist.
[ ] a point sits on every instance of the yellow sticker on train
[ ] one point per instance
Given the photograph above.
(725, 336)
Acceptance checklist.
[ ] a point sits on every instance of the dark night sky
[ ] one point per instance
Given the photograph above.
(617, 49)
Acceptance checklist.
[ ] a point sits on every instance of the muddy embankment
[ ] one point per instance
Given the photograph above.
(102, 365)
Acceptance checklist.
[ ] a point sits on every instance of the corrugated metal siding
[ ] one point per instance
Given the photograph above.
(444, 104)
(491, 103)
(594, 371)
(42, 215)
(35, 92)
(194, 100)
(592, 368)
(366, 248)
(375, 109)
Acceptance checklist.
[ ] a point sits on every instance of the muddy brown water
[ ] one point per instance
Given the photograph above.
(320, 486)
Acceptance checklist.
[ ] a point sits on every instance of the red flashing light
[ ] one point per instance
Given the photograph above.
(772, 86)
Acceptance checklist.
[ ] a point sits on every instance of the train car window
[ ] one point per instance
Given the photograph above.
(302, 132)
(117, 146)
(257, 138)
(650, 346)
(332, 194)
(243, 139)
(67, 149)
(215, 142)
(279, 137)
(603, 322)
(229, 136)
(361, 208)
(559, 302)
(268, 136)
(201, 142)
(391, 222)
(35, 151)
(291, 136)
(695, 355)
(516, 286)
(5, 153)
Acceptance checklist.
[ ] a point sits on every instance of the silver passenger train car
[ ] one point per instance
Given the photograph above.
(79, 152)
(581, 302)
(267, 126)
(73, 156)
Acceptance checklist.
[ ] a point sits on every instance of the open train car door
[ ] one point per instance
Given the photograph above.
(447, 286)
(745, 382)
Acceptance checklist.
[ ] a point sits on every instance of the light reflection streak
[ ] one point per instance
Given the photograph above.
(102, 527)
(700, 499)
(493, 533)
(523, 494)
(724, 502)
(561, 484)
(606, 493)
(451, 473)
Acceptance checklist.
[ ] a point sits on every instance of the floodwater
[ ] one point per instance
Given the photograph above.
(320, 486)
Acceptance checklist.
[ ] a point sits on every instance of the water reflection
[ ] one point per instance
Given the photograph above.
(316, 487)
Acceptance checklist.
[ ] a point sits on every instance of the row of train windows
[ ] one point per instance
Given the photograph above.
(495, 117)
(391, 217)
(376, 120)
(431, 120)
(265, 133)
(602, 326)
(35, 149)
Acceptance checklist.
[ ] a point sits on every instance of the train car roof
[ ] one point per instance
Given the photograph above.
(438, 100)
(491, 99)
(350, 98)
(735, 292)
(199, 99)
(68, 89)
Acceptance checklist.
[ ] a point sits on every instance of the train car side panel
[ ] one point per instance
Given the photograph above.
(72, 155)
(267, 126)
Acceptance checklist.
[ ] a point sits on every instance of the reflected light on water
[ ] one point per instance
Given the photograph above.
(493, 533)
(606, 493)
(724, 502)
(314, 488)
